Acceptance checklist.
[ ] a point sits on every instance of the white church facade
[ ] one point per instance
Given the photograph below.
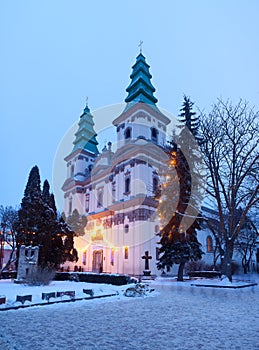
(115, 188)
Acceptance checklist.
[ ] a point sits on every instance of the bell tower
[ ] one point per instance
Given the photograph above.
(80, 163)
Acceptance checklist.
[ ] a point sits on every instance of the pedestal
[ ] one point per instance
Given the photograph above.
(147, 272)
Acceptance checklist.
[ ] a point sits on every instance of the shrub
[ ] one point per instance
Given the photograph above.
(41, 276)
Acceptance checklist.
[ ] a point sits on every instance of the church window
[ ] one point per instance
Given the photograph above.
(209, 244)
(84, 258)
(113, 191)
(100, 199)
(70, 206)
(155, 184)
(127, 133)
(154, 133)
(126, 253)
(126, 228)
(87, 202)
(157, 253)
(157, 228)
(127, 185)
(112, 256)
(72, 171)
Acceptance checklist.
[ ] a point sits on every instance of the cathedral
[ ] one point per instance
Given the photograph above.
(115, 189)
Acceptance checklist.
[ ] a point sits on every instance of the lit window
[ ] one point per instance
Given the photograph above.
(126, 252)
(84, 258)
(112, 256)
(209, 244)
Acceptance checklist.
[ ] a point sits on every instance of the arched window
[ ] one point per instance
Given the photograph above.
(155, 184)
(127, 133)
(90, 167)
(126, 228)
(84, 258)
(126, 252)
(112, 256)
(87, 199)
(70, 206)
(154, 134)
(157, 228)
(209, 244)
(72, 171)
(127, 185)
(100, 199)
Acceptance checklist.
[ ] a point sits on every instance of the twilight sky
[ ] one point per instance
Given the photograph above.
(55, 53)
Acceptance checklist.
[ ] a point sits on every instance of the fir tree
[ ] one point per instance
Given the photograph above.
(77, 222)
(188, 117)
(30, 215)
(39, 225)
(181, 196)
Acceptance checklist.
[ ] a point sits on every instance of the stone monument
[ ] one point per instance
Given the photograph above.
(27, 263)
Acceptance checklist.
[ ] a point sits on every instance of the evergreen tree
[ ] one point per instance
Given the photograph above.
(181, 196)
(188, 117)
(39, 225)
(30, 215)
(77, 222)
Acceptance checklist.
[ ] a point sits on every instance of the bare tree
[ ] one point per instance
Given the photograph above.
(230, 148)
(246, 243)
(9, 217)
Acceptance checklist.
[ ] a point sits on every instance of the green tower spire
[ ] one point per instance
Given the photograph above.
(140, 88)
(85, 135)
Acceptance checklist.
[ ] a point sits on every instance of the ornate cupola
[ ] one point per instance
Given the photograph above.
(140, 88)
(85, 135)
(141, 118)
(80, 162)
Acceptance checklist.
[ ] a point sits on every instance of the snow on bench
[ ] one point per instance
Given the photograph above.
(23, 298)
(89, 292)
(69, 293)
(47, 296)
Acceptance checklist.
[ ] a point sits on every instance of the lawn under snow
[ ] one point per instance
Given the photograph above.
(175, 316)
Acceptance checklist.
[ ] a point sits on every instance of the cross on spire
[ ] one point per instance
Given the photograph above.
(140, 46)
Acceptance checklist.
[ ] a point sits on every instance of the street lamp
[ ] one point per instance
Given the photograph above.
(2, 240)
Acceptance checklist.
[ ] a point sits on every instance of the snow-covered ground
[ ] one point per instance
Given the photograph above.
(175, 316)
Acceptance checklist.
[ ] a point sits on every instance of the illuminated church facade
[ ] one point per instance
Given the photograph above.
(115, 189)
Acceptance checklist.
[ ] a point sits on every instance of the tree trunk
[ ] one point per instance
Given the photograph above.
(226, 268)
(180, 271)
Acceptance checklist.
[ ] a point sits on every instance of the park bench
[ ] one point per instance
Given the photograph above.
(23, 298)
(89, 292)
(69, 293)
(204, 274)
(2, 300)
(47, 296)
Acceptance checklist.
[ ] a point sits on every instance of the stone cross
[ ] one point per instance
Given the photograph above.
(146, 257)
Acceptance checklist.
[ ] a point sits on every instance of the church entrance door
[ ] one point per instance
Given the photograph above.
(98, 260)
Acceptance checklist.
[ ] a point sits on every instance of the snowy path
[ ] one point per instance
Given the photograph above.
(179, 317)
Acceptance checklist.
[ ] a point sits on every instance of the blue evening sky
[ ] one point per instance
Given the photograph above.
(55, 53)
